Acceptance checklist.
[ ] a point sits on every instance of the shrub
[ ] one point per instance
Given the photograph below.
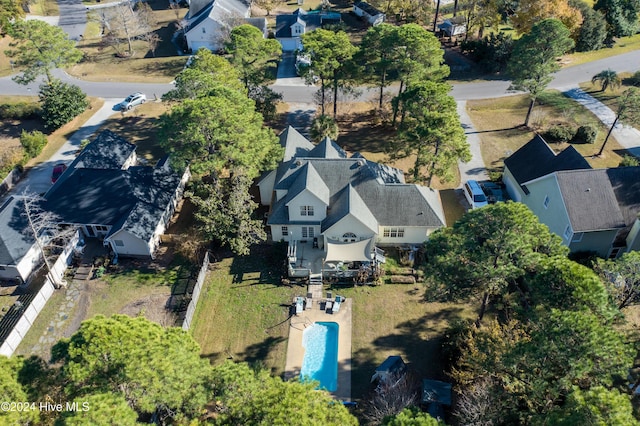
(634, 80)
(586, 134)
(61, 103)
(19, 111)
(560, 133)
(10, 158)
(32, 142)
(629, 161)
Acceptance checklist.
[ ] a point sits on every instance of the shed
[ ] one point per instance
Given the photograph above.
(451, 29)
(392, 366)
(436, 394)
(369, 13)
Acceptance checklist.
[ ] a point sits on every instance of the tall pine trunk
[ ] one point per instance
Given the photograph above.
(395, 108)
(483, 308)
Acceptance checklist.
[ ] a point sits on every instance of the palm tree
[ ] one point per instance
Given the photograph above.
(607, 78)
(323, 126)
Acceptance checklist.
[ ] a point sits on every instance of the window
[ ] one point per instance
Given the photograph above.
(308, 232)
(393, 232)
(567, 232)
(119, 243)
(349, 237)
(306, 210)
(285, 231)
(615, 251)
(101, 228)
(2, 268)
(546, 202)
(577, 237)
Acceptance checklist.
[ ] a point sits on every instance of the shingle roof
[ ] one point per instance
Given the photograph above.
(536, 159)
(14, 241)
(307, 178)
(327, 149)
(284, 22)
(133, 199)
(107, 151)
(346, 202)
(387, 197)
(294, 143)
(625, 182)
(590, 200)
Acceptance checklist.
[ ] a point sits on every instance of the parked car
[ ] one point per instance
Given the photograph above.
(493, 191)
(58, 170)
(474, 194)
(133, 100)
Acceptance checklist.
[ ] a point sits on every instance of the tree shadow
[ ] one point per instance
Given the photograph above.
(258, 352)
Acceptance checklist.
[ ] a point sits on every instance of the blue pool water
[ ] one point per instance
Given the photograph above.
(320, 363)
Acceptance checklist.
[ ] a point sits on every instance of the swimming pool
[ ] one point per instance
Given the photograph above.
(321, 354)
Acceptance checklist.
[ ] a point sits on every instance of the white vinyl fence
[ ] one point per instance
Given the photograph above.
(191, 309)
(31, 309)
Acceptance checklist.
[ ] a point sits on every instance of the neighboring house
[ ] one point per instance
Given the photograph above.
(19, 254)
(435, 396)
(451, 29)
(592, 210)
(289, 28)
(126, 206)
(320, 192)
(209, 22)
(369, 13)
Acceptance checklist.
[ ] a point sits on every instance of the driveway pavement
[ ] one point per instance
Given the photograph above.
(475, 169)
(38, 180)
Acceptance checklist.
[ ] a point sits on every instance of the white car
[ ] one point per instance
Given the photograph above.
(133, 100)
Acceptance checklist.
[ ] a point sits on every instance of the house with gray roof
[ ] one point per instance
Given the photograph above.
(209, 22)
(19, 255)
(592, 210)
(290, 27)
(320, 192)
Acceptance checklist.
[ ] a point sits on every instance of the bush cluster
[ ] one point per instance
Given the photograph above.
(560, 133)
(19, 111)
(33, 143)
(586, 134)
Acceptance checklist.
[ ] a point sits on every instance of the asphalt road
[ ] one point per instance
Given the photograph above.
(293, 91)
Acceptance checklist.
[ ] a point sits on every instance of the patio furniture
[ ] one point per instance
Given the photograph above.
(329, 307)
(299, 305)
(336, 304)
(309, 303)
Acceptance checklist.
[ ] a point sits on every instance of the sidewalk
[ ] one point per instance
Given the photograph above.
(627, 136)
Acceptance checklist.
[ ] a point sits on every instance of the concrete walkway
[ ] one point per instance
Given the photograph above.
(475, 169)
(627, 136)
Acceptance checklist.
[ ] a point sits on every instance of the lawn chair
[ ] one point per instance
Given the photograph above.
(299, 305)
(337, 303)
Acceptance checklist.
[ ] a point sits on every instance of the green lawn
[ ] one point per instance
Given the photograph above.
(500, 120)
(394, 319)
(243, 309)
(243, 314)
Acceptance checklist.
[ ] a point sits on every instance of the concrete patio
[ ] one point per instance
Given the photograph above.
(295, 350)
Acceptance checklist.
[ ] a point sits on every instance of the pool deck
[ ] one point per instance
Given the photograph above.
(295, 351)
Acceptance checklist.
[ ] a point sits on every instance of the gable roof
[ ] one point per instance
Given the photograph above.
(134, 199)
(390, 200)
(590, 201)
(307, 178)
(14, 241)
(294, 144)
(346, 202)
(536, 159)
(107, 151)
(216, 10)
(327, 149)
(284, 22)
